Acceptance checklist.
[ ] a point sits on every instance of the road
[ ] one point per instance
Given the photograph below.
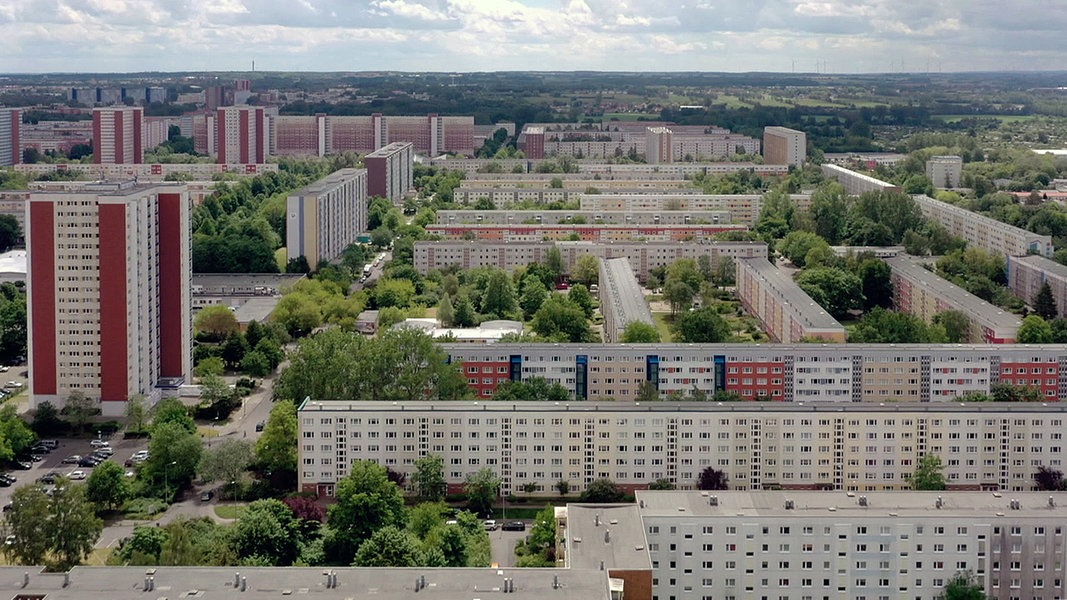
(502, 546)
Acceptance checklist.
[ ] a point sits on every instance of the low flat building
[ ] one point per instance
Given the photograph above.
(786, 313)
(1026, 275)
(621, 299)
(487, 332)
(234, 289)
(846, 546)
(924, 294)
(13, 267)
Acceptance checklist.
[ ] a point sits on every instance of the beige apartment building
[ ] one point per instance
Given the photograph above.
(786, 313)
(1026, 275)
(556, 217)
(986, 233)
(784, 146)
(323, 218)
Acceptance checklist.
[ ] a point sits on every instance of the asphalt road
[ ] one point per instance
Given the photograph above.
(502, 546)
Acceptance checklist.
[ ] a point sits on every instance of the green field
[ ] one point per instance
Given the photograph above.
(628, 116)
(1001, 118)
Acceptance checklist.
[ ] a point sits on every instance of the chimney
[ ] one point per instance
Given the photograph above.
(66, 579)
(25, 578)
(596, 520)
(417, 588)
(939, 503)
(607, 536)
(422, 581)
(1051, 502)
(601, 565)
(555, 582)
(244, 583)
(236, 580)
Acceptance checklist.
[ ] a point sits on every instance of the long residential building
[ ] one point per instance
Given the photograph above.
(555, 217)
(786, 313)
(588, 232)
(147, 172)
(479, 168)
(506, 193)
(763, 446)
(241, 135)
(743, 208)
(108, 293)
(324, 218)
(322, 135)
(986, 233)
(644, 256)
(621, 300)
(922, 293)
(1026, 275)
(795, 545)
(780, 372)
(389, 171)
(856, 183)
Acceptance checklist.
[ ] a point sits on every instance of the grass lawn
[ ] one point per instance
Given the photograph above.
(663, 325)
(230, 511)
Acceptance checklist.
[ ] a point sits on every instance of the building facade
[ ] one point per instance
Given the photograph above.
(327, 216)
(556, 217)
(921, 293)
(986, 233)
(621, 299)
(644, 256)
(108, 293)
(149, 172)
(117, 135)
(1026, 275)
(10, 144)
(389, 171)
(588, 232)
(659, 146)
(806, 545)
(241, 135)
(944, 171)
(743, 208)
(786, 313)
(784, 146)
(322, 134)
(854, 447)
(779, 372)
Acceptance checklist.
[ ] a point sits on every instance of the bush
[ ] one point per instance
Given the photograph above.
(144, 508)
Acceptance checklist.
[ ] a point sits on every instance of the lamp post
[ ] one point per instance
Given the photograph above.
(166, 477)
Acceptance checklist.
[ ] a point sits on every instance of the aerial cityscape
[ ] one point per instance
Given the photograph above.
(598, 301)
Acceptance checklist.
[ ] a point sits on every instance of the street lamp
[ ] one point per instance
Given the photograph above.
(233, 487)
(166, 477)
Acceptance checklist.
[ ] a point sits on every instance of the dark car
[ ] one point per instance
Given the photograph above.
(41, 449)
(8, 478)
(7, 507)
(206, 496)
(88, 461)
(514, 526)
(48, 478)
(21, 465)
(260, 425)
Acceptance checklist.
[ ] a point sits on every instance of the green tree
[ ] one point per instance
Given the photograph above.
(465, 315)
(1048, 479)
(144, 546)
(638, 332)
(554, 263)
(15, 435)
(534, 294)
(366, 502)
(586, 270)
(10, 232)
(929, 474)
(394, 292)
(174, 454)
(880, 326)
(876, 283)
(679, 295)
(531, 389)
(560, 319)
(1034, 330)
(602, 491)
(963, 586)
(136, 413)
(1044, 303)
(300, 314)
(713, 479)
(255, 364)
(580, 296)
(453, 543)
(445, 312)
(703, 325)
(234, 350)
(72, 526)
(829, 209)
(79, 408)
(388, 546)
(836, 290)
(212, 365)
(267, 529)
(107, 486)
(661, 484)
(226, 460)
(30, 510)
(481, 488)
(271, 350)
(499, 298)
(215, 323)
(647, 392)
(275, 450)
(956, 325)
(796, 245)
(171, 410)
(429, 478)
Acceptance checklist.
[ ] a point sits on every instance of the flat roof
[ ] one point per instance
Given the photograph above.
(210, 583)
(608, 534)
(387, 150)
(960, 299)
(619, 284)
(329, 182)
(257, 308)
(225, 283)
(794, 299)
(973, 217)
(13, 261)
(845, 505)
(1047, 265)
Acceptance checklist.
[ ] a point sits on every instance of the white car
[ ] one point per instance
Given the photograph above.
(76, 475)
(14, 384)
(99, 443)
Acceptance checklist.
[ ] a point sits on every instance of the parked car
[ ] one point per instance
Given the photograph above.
(9, 478)
(77, 475)
(7, 507)
(106, 451)
(514, 526)
(72, 459)
(88, 462)
(48, 478)
(53, 444)
(260, 426)
(5, 483)
(206, 496)
(41, 449)
(36, 457)
(99, 443)
(21, 465)
(491, 525)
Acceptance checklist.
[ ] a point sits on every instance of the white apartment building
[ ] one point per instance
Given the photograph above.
(986, 233)
(621, 299)
(644, 256)
(857, 183)
(760, 446)
(554, 217)
(784, 146)
(323, 218)
(743, 208)
(944, 171)
(1026, 275)
(149, 172)
(108, 293)
(659, 146)
(870, 546)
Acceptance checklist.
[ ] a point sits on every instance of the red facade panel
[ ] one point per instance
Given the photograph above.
(242, 128)
(114, 362)
(171, 284)
(97, 131)
(43, 281)
(118, 123)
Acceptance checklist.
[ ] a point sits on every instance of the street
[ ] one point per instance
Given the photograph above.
(502, 546)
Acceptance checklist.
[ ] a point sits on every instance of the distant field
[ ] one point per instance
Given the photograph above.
(629, 116)
(1001, 118)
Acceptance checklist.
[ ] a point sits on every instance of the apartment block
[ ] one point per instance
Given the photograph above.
(149, 172)
(781, 372)
(108, 293)
(505, 194)
(241, 135)
(324, 218)
(621, 299)
(475, 167)
(294, 135)
(659, 146)
(800, 545)
(117, 135)
(856, 183)
(786, 313)
(767, 446)
(743, 208)
(10, 144)
(784, 146)
(944, 171)
(588, 232)
(532, 142)
(557, 217)
(1026, 275)
(644, 256)
(986, 233)
(921, 293)
(389, 171)
(321, 134)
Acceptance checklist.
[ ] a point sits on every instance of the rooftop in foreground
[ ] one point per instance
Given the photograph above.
(605, 534)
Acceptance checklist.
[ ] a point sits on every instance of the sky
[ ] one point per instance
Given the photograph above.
(836, 36)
